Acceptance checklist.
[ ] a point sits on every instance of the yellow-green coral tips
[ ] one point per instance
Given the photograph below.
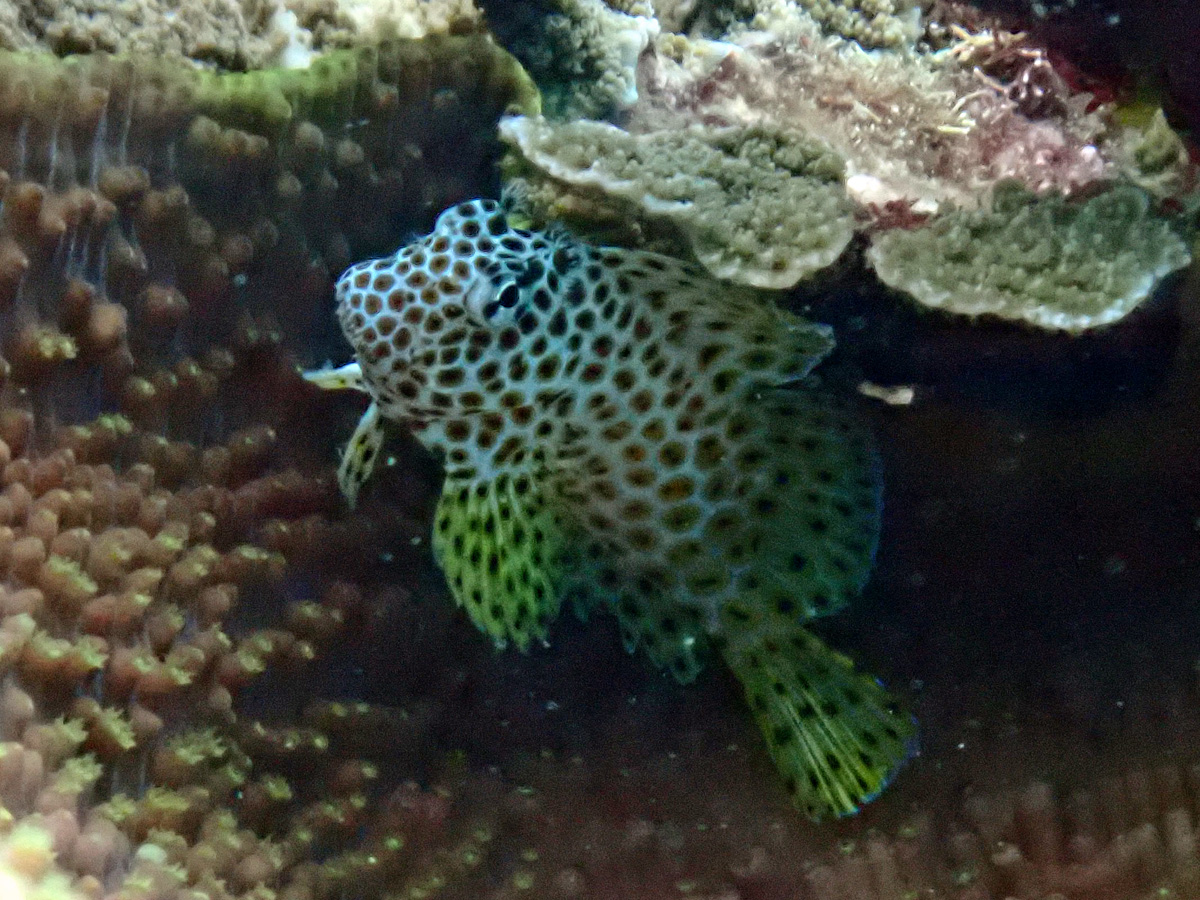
(1057, 263)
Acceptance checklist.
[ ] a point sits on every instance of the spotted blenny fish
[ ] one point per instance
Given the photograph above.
(614, 426)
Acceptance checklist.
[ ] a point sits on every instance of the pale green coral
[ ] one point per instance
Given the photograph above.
(756, 206)
(321, 91)
(871, 23)
(336, 85)
(583, 54)
(1154, 157)
(1049, 261)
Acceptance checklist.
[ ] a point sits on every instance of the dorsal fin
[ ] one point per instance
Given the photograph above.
(720, 326)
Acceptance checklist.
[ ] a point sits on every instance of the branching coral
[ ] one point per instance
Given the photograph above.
(1044, 260)
(163, 542)
(755, 206)
(115, 158)
(1132, 836)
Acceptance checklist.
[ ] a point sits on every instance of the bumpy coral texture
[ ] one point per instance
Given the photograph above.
(233, 34)
(756, 206)
(162, 541)
(915, 128)
(1047, 261)
(582, 53)
(349, 23)
(700, 165)
(871, 23)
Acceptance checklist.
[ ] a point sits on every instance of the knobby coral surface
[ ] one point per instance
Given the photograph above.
(1055, 264)
(913, 134)
(756, 206)
(920, 128)
(231, 34)
(870, 23)
(164, 537)
(582, 53)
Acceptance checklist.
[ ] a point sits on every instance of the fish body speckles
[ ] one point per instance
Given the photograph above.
(615, 424)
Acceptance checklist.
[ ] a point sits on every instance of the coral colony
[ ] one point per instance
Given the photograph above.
(564, 242)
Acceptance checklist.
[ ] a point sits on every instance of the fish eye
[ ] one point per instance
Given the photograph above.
(506, 298)
(508, 295)
(491, 300)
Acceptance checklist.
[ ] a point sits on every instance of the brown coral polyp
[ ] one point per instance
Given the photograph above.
(163, 535)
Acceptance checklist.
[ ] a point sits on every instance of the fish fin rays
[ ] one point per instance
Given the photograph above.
(738, 330)
(822, 492)
(345, 378)
(361, 454)
(674, 640)
(835, 734)
(502, 548)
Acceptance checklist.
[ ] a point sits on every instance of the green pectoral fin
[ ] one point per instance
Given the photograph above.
(835, 734)
(348, 378)
(361, 455)
(501, 547)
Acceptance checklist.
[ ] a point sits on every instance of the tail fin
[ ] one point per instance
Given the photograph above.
(835, 734)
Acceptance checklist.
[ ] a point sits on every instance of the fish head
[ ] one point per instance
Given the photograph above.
(444, 317)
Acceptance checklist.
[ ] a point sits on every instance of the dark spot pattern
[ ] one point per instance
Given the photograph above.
(628, 402)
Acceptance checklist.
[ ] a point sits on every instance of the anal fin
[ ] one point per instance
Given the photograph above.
(501, 546)
(674, 639)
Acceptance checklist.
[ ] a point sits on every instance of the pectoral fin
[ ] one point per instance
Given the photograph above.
(501, 547)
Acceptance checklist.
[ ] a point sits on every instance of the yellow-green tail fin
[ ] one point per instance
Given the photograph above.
(501, 547)
(835, 734)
